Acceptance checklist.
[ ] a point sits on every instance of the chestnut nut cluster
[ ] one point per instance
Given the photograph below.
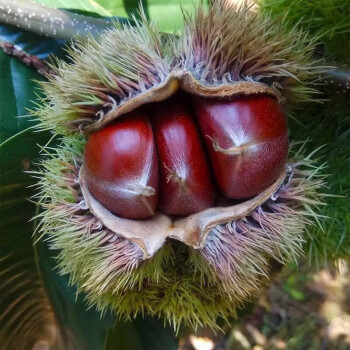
(182, 155)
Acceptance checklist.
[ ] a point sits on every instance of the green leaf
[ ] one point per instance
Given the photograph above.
(142, 334)
(27, 302)
(19, 277)
(17, 92)
(88, 326)
(20, 153)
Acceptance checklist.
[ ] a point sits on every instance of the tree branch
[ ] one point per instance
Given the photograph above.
(29, 60)
(47, 21)
(337, 80)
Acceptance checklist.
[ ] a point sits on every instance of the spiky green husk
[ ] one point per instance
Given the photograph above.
(329, 20)
(179, 284)
(329, 129)
(220, 46)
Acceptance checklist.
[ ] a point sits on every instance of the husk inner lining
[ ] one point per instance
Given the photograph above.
(150, 234)
(183, 80)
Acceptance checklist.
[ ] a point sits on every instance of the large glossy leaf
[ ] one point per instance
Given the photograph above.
(142, 334)
(18, 273)
(18, 262)
(88, 327)
(17, 92)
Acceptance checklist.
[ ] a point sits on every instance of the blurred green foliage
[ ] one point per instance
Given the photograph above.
(325, 124)
(328, 19)
(157, 10)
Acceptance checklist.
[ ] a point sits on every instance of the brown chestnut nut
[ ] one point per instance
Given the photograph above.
(122, 167)
(247, 139)
(186, 185)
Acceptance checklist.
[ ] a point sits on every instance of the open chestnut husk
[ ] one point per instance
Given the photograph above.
(172, 189)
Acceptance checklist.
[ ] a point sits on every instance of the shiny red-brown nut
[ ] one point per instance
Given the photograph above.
(247, 139)
(122, 167)
(186, 185)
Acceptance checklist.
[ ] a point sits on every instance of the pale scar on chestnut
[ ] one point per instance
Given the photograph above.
(184, 154)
